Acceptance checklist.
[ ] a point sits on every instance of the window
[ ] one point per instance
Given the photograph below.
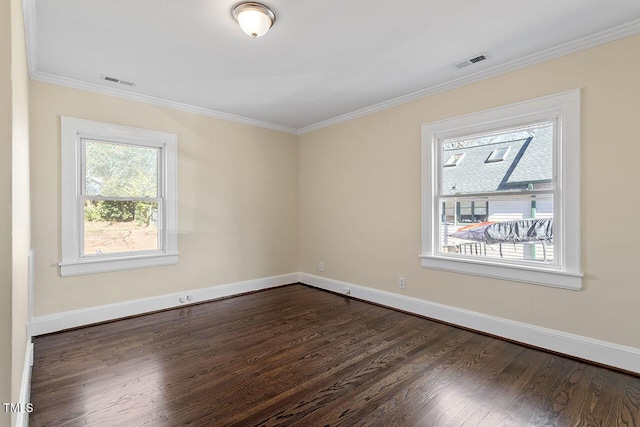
(468, 211)
(454, 160)
(499, 154)
(118, 197)
(512, 209)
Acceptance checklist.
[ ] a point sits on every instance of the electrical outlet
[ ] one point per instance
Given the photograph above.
(321, 266)
(402, 283)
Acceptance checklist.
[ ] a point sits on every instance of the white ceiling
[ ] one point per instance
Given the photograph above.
(323, 61)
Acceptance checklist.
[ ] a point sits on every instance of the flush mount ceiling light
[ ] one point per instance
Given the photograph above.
(255, 19)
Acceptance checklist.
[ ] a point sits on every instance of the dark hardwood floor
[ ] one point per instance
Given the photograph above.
(300, 356)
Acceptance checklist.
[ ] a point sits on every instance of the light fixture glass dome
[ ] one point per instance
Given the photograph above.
(254, 19)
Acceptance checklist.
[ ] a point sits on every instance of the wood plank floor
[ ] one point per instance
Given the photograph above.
(297, 356)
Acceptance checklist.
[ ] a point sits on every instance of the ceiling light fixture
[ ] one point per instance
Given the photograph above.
(255, 19)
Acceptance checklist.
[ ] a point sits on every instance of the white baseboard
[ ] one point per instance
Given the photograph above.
(72, 319)
(606, 353)
(22, 417)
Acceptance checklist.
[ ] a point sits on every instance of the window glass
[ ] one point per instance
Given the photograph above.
(121, 204)
(500, 225)
(502, 228)
(120, 170)
(530, 161)
(112, 226)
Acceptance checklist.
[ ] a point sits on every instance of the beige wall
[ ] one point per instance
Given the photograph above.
(237, 201)
(5, 208)
(21, 215)
(359, 198)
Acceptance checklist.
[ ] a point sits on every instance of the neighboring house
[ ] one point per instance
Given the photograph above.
(517, 164)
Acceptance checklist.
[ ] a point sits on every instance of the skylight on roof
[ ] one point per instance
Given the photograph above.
(454, 160)
(498, 155)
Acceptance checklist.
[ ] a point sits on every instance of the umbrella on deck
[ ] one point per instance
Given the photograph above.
(516, 231)
(472, 232)
(536, 230)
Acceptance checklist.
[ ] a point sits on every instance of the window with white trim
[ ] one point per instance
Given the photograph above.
(118, 197)
(511, 210)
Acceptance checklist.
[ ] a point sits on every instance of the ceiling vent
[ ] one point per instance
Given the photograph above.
(116, 80)
(478, 58)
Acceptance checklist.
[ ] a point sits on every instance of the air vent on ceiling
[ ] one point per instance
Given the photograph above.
(471, 61)
(116, 80)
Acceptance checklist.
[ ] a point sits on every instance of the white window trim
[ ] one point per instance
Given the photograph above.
(565, 107)
(73, 132)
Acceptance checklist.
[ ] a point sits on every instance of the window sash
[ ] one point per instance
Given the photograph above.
(514, 125)
(83, 197)
(83, 166)
(439, 198)
(161, 244)
(467, 205)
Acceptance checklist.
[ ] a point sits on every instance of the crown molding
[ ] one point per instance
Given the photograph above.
(29, 12)
(587, 42)
(132, 96)
(602, 37)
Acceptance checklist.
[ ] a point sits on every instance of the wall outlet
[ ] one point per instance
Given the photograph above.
(402, 283)
(321, 266)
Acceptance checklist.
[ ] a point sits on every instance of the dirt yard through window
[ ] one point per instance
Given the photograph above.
(112, 237)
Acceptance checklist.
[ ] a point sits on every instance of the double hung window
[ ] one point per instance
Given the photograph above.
(119, 197)
(510, 207)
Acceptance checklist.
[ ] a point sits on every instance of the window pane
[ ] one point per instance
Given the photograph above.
(114, 170)
(512, 160)
(112, 226)
(449, 210)
(515, 228)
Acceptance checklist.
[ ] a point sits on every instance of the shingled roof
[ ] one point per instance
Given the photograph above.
(528, 161)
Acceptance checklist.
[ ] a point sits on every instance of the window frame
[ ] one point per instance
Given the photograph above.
(73, 134)
(564, 108)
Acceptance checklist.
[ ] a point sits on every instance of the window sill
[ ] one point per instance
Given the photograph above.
(524, 274)
(91, 266)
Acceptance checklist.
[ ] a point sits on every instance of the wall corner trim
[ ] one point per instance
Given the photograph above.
(602, 352)
(83, 317)
(22, 417)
